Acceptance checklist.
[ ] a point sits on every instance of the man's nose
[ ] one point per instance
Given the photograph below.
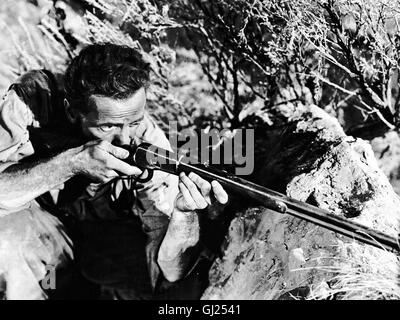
(123, 137)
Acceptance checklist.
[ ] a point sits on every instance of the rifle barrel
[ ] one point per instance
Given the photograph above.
(150, 157)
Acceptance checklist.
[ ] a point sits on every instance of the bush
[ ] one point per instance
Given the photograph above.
(257, 55)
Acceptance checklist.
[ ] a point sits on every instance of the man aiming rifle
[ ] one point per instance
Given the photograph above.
(60, 155)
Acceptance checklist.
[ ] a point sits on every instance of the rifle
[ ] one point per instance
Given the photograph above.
(150, 157)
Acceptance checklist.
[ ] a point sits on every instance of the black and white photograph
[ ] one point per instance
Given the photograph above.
(217, 151)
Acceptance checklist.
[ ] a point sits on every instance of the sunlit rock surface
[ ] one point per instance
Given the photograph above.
(387, 153)
(267, 255)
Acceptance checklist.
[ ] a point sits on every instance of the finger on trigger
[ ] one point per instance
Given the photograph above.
(205, 186)
(219, 192)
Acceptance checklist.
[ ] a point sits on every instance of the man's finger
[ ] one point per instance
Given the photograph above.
(117, 152)
(105, 176)
(109, 174)
(191, 205)
(123, 167)
(219, 192)
(205, 186)
(194, 191)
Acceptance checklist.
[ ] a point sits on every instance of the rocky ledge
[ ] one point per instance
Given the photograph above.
(267, 255)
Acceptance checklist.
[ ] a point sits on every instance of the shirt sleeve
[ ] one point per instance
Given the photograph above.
(15, 117)
(14, 137)
(26, 104)
(157, 198)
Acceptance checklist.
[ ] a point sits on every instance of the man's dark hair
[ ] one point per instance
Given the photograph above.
(106, 70)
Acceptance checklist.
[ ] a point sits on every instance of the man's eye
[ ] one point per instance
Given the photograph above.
(106, 128)
(134, 124)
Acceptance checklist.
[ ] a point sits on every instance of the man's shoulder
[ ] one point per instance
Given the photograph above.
(32, 113)
(26, 105)
(36, 78)
(41, 93)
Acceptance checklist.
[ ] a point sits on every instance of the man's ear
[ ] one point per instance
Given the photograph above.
(71, 113)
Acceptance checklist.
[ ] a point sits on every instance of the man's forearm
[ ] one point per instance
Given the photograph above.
(21, 183)
(174, 253)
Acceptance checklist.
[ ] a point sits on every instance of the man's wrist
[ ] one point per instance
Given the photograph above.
(71, 160)
(184, 228)
(183, 214)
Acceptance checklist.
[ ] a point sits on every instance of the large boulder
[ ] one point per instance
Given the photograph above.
(268, 255)
(387, 153)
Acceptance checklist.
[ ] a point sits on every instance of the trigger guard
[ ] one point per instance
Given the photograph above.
(148, 178)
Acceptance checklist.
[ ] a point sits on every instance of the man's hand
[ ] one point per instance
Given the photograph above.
(184, 229)
(101, 161)
(197, 193)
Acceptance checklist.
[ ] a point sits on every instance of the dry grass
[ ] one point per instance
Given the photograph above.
(365, 273)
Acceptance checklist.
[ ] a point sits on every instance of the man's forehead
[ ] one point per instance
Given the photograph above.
(107, 107)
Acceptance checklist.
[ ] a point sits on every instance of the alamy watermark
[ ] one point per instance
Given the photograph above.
(214, 147)
(49, 280)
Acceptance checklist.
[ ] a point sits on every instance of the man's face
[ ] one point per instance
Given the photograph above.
(112, 120)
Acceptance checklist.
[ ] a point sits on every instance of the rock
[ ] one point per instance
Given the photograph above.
(387, 154)
(24, 45)
(268, 255)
